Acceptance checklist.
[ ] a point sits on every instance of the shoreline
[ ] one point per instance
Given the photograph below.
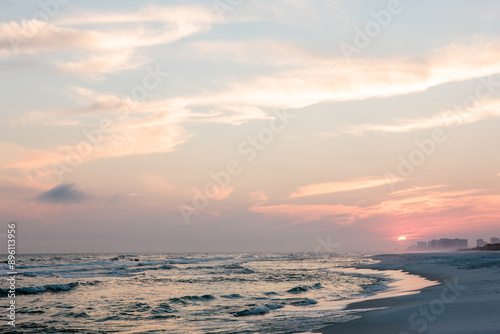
(466, 300)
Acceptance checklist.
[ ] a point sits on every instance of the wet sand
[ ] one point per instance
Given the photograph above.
(466, 300)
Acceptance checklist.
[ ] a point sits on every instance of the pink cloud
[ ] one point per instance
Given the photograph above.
(414, 213)
(336, 187)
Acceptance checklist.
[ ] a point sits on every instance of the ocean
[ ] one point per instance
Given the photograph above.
(185, 293)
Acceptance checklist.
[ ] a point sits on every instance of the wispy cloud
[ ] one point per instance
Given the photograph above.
(109, 62)
(125, 31)
(482, 110)
(313, 78)
(141, 131)
(336, 187)
(166, 14)
(417, 189)
(159, 125)
(63, 36)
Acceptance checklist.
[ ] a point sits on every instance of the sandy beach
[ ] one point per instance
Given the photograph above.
(467, 300)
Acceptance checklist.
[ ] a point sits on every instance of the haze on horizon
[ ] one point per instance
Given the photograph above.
(248, 126)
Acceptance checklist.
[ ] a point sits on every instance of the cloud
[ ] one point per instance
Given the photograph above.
(33, 37)
(135, 128)
(108, 62)
(125, 31)
(305, 78)
(415, 206)
(259, 196)
(222, 193)
(152, 14)
(481, 110)
(314, 79)
(64, 193)
(159, 126)
(417, 189)
(336, 187)
(132, 136)
(16, 156)
(157, 183)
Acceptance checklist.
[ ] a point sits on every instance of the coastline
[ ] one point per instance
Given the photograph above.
(466, 300)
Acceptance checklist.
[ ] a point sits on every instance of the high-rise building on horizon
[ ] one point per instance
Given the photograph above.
(495, 240)
(422, 245)
(452, 243)
(480, 242)
(442, 244)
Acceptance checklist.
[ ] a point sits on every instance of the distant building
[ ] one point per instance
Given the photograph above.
(441, 244)
(480, 242)
(452, 243)
(444, 243)
(495, 240)
(463, 243)
(422, 245)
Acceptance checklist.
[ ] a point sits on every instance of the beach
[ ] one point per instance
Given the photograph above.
(466, 300)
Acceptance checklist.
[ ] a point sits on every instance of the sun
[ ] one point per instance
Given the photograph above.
(402, 238)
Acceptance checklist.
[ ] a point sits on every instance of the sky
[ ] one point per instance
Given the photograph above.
(248, 125)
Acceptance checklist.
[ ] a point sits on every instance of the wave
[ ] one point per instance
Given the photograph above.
(125, 256)
(238, 269)
(102, 263)
(214, 292)
(271, 293)
(303, 302)
(95, 269)
(232, 296)
(215, 279)
(137, 307)
(186, 299)
(58, 272)
(84, 269)
(371, 289)
(259, 310)
(162, 267)
(274, 306)
(32, 290)
(112, 317)
(163, 311)
(74, 315)
(141, 268)
(30, 310)
(185, 260)
(304, 288)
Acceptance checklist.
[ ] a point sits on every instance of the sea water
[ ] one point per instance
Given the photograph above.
(185, 293)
